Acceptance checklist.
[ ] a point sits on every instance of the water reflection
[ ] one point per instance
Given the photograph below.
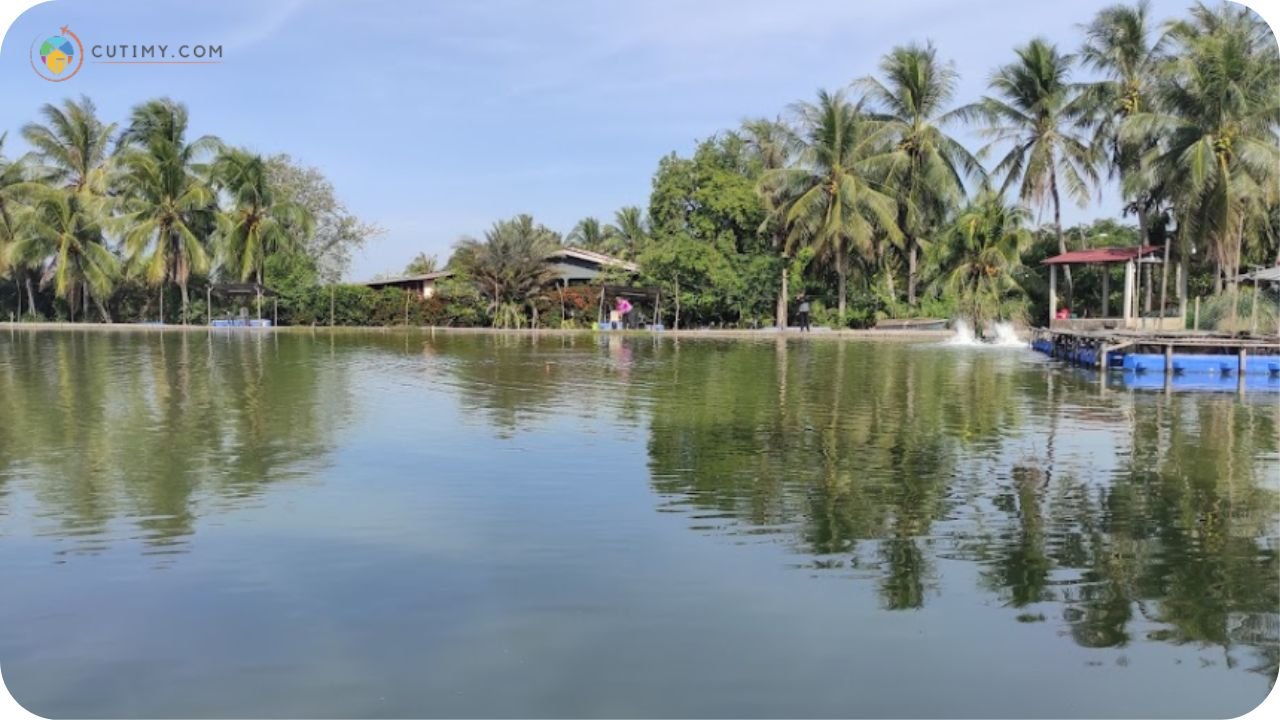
(1123, 515)
(156, 429)
(472, 489)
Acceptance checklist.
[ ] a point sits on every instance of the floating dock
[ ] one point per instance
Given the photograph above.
(1194, 356)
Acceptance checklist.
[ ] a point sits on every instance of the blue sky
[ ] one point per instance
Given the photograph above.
(435, 119)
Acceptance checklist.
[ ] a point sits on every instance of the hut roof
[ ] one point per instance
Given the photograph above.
(242, 290)
(1097, 256)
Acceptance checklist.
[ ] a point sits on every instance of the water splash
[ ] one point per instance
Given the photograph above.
(1006, 335)
(964, 334)
(1003, 335)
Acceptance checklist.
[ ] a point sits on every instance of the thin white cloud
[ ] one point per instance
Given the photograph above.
(263, 24)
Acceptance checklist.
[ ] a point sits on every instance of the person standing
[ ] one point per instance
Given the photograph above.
(803, 313)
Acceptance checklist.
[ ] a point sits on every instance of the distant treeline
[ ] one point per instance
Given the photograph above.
(862, 200)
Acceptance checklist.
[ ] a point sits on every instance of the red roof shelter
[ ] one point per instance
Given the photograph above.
(1130, 257)
(1098, 256)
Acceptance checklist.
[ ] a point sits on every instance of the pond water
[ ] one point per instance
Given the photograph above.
(395, 524)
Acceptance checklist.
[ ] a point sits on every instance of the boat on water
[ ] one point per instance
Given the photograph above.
(912, 324)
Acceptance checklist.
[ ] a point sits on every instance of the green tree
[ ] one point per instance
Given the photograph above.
(1034, 112)
(835, 198)
(589, 234)
(1211, 136)
(167, 205)
(65, 226)
(13, 180)
(421, 264)
(629, 233)
(337, 232)
(1119, 46)
(983, 250)
(775, 144)
(706, 215)
(257, 224)
(72, 146)
(509, 266)
(926, 166)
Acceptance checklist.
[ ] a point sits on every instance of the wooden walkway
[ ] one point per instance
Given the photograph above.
(1096, 346)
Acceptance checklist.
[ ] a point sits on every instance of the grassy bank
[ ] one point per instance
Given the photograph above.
(791, 334)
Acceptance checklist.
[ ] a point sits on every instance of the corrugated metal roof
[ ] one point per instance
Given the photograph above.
(1101, 255)
(595, 257)
(1271, 274)
(408, 278)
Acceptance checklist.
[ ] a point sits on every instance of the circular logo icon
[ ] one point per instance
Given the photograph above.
(58, 57)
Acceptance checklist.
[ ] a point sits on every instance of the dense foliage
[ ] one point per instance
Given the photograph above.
(862, 200)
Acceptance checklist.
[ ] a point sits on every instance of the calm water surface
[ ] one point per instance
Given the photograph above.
(394, 525)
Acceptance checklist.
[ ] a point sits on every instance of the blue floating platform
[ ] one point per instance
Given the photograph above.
(238, 323)
(1189, 364)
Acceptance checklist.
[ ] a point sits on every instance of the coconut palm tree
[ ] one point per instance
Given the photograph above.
(72, 146)
(834, 199)
(774, 144)
(258, 223)
(13, 181)
(71, 149)
(1211, 135)
(589, 234)
(1119, 46)
(926, 167)
(629, 233)
(167, 207)
(421, 264)
(983, 248)
(65, 227)
(1034, 111)
(509, 266)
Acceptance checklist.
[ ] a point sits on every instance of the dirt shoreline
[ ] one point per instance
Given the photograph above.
(766, 334)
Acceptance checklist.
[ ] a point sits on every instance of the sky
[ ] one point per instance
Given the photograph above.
(435, 119)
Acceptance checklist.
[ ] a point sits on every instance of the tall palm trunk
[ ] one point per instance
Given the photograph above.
(31, 293)
(911, 270)
(1057, 228)
(782, 299)
(676, 324)
(842, 271)
(102, 309)
(1164, 283)
(1146, 288)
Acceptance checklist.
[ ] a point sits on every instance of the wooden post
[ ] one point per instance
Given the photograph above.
(258, 290)
(1253, 311)
(1053, 294)
(1240, 371)
(333, 289)
(406, 308)
(275, 312)
(1127, 314)
(1168, 360)
(1137, 294)
(1196, 323)
(1106, 289)
(208, 304)
(1103, 351)
(1182, 292)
